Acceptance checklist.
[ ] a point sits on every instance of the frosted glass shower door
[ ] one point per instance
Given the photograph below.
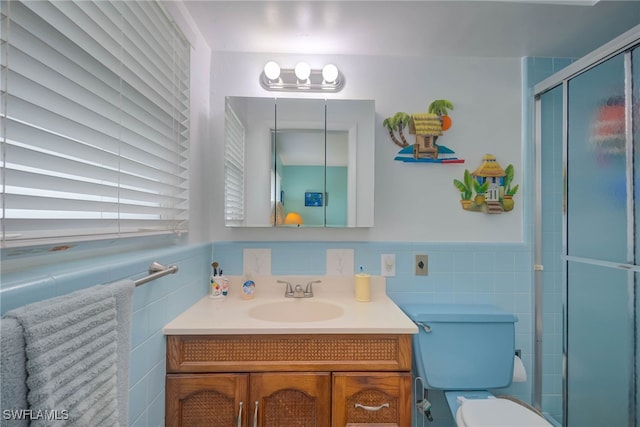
(551, 180)
(597, 169)
(599, 252)
(600, 347)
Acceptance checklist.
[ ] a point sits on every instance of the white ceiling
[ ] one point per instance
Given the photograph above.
(407, 28)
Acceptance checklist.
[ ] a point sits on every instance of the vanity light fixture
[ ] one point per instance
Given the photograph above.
(272, 70)
(330, 73)
(301, 78)
(302, 71)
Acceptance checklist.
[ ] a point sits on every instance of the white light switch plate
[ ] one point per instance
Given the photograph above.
(256, 261)
(388, 265)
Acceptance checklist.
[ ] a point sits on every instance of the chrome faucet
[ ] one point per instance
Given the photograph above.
(297, 291)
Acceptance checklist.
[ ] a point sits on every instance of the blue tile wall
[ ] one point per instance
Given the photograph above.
(154, 305)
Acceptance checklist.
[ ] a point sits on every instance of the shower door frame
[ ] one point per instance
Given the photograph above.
(622, 44)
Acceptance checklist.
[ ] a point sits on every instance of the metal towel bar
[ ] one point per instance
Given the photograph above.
(156, 270)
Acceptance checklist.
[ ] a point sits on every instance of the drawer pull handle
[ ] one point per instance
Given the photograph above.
(372, 408)
(255, 415)
(240, 415)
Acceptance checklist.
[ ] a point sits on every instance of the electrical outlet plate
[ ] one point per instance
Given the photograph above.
(388, 265)
(422, 265)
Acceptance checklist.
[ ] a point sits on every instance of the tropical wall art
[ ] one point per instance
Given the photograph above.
(427, 128)
(487, 189)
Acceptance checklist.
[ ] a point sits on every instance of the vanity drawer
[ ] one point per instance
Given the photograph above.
(371, 399)
(282, 352)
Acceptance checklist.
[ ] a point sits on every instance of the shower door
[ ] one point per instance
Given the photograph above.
(549, 282)
(635, 132)
(599, 253)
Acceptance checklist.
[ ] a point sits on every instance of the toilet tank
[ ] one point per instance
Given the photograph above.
(463, 346)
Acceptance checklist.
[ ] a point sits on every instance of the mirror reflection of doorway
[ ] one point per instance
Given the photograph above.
(309, 165)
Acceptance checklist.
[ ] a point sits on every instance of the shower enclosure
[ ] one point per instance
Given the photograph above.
(587, 244)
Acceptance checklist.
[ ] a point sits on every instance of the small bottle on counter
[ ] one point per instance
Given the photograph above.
(224, 284)
(363, 286)
(248, 287)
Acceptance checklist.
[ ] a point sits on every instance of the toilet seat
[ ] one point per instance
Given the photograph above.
(497, 413)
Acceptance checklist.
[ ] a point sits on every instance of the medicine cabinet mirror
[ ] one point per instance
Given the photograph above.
(299, 162)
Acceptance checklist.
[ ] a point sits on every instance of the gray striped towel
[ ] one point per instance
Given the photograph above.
(13, 374)
(71, 346)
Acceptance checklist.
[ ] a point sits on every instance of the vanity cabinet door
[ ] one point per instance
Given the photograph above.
(207, 400)
(291, 399)
(369, 398)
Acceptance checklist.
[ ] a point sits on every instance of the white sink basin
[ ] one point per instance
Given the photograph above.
(296, 310)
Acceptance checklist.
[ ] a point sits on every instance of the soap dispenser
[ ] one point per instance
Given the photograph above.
(248, 287)
(363, 286)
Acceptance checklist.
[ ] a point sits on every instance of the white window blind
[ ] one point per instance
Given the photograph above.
(234, 168)
(95, 129)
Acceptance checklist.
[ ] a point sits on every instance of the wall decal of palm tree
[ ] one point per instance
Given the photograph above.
(397, 123)
(441, 107)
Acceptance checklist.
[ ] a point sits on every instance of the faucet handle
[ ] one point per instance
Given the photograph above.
(309, 288)
(289, 290)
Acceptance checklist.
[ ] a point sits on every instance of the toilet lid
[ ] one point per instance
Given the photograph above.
(497, 413)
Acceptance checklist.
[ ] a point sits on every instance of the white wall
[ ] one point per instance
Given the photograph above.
(200, 129)
(199, 199)
(413, 202)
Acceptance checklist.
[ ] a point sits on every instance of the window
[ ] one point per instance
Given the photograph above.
(234, 168)
(94, 121)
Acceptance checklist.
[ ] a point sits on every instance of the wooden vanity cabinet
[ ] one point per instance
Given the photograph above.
(242, 400)
(291, 399)
(206, 400)
(296, 380)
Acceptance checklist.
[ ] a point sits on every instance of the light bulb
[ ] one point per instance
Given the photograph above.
(330, 73)
(272, 70)
(303, 71)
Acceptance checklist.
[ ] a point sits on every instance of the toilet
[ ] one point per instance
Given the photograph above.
(466, 350)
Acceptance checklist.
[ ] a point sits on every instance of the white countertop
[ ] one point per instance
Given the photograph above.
(231, 315)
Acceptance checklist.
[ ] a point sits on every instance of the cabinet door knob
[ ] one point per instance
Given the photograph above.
(372, 408)
(240, 414)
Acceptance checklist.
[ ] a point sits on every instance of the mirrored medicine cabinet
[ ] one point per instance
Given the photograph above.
(299, 162)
